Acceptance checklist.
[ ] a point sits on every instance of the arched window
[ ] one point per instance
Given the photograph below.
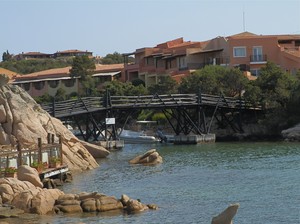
(39, 85)
(69, 82)
(53, 83)
(26, 86)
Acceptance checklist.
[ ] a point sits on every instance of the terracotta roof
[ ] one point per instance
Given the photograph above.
(111, 67)
(33, 53)
(63, 72)
(7, 72)
(294, 52)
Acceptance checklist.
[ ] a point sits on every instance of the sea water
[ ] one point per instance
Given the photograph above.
(196, 182)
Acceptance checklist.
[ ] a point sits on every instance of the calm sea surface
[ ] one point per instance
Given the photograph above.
(197, 182)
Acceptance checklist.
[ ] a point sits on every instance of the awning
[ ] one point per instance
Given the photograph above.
(207, 51)
(42, 80)
(107, 74)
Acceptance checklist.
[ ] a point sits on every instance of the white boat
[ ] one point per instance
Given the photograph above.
(133, 137)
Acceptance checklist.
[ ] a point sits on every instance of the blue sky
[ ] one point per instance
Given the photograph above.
(106, 26)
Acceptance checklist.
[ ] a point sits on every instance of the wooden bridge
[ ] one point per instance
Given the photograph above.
(185, 113)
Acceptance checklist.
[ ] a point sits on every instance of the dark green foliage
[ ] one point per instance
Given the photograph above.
(215, 80)
(30, 66)
(276, 86)
(166, 85)
(84, 67)
(137, 82)
(6, 56)
(46, 98)
(117, 88)
(115, 58)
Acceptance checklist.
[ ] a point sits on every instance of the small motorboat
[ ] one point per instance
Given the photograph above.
(133, 137)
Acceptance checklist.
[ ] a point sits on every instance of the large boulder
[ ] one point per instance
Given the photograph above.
(292, 134)
(22, 120)
(27, 173)
(226, 216)
(27, 197)
(96, 151)
(151, 157)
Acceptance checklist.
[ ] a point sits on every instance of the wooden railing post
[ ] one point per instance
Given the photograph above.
(61, 151)
(39, 150)
(20, 162)
(48, 138)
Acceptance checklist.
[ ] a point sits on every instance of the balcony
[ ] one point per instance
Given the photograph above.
(258, 59)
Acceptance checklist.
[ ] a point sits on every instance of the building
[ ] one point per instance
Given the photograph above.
(247, 51)
(49, 81)
(32, 55)
(58, 54)
(250, 52)
(72, 53)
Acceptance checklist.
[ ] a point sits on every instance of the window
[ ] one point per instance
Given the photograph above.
(239, 52)
(69, 82)
(255, 72)
(53, 83)
(257, 54)
(39, 85)
(182, 62)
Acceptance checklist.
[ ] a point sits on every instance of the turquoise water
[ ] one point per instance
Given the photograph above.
(197, 182)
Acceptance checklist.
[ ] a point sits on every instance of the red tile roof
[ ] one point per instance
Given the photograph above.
(63, 72)
(7, 72)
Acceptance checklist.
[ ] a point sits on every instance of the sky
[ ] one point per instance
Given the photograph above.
(108, 26)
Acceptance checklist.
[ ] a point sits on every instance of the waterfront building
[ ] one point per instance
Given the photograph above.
(49, 81)
(247, 51)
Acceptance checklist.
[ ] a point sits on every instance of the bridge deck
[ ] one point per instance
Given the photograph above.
(96, 104)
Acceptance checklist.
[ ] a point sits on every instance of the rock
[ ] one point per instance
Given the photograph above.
(135, 206)
(27, 173)
(10, 212)
(89, 205)
(44, 201)
(107, 203)
(227, 215)
(23, 120)
(69, 208)
(124, 199)
(3, 79)
(292, 134)
(151, 157)
(96, 151)
(152, 206)
(27, 197)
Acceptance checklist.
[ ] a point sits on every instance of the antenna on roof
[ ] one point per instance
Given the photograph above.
(244, 26)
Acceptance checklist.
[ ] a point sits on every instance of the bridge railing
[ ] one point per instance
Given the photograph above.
(92, 104)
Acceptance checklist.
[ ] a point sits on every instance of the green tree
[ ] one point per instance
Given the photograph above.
(115, 58)
(233, 82)
(6, 56)
(166, 85)
(84, 67)
(214, 80)
(117, 88)
(276, 86)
